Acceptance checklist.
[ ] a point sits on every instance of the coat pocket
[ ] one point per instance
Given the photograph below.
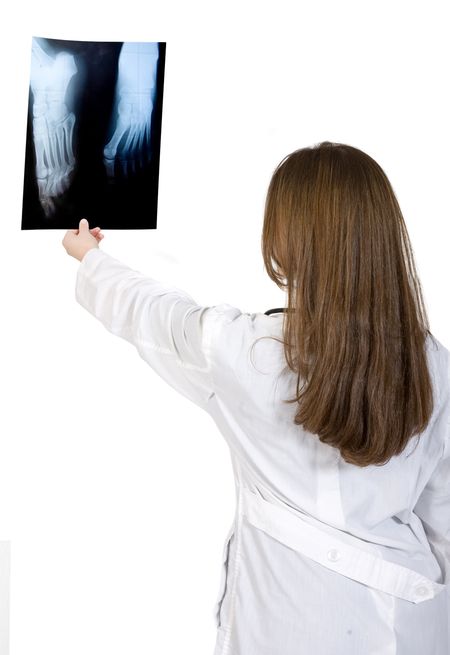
(223, 577)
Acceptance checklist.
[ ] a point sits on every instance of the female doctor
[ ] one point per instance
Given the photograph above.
(341, 538)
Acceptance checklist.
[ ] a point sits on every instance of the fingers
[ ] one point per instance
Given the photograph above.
(96, 233)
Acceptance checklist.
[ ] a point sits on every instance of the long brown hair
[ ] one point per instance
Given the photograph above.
(355, 325)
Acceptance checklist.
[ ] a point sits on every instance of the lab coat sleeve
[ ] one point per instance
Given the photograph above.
(170, 331)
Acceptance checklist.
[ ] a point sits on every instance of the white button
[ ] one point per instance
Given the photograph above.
(333, 555)
(422, 590)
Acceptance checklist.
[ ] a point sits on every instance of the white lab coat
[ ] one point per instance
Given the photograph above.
(322, 557)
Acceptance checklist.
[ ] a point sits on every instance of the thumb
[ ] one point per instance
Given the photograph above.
(84, 225)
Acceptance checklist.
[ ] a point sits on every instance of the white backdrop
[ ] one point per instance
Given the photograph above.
(116, 544)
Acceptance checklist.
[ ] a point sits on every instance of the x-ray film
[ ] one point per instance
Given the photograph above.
(93, 134)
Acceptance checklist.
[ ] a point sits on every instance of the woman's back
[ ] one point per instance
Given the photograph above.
(317, 543)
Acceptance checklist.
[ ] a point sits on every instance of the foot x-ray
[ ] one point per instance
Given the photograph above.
(93, 134)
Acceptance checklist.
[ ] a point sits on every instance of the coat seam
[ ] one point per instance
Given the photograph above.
(228, 627)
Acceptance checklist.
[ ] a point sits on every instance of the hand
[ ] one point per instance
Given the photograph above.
(78, 242)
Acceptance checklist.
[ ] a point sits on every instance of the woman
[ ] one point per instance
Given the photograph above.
(336, 410)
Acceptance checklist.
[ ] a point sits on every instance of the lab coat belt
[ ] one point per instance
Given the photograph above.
(334, 552)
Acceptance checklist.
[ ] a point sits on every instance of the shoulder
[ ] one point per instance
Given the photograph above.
(237, 339)
(229, 316)
(439, 360)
